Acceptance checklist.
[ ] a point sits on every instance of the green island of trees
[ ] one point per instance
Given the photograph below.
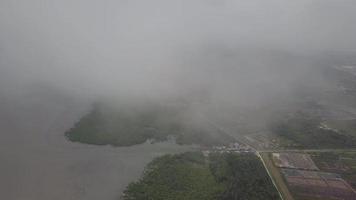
(192, 176)
(126, 126)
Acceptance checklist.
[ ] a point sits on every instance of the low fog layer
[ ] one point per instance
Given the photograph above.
(220, 58)
(222, 50)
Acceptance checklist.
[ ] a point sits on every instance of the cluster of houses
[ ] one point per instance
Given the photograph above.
(231, 148)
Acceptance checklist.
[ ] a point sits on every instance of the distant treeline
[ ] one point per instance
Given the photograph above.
(307, 132)
(126, 126)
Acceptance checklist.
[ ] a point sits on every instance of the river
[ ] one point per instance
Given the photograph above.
(38, 163)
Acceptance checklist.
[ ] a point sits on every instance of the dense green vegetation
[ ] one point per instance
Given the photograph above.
(306, 132)
(243, 177)
(191, 176)
(343, 126)
(175, 177)
(125, 126)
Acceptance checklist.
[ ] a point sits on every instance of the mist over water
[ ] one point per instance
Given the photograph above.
(227, 59)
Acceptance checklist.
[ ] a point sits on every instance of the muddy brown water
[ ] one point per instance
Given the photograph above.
(38, 163)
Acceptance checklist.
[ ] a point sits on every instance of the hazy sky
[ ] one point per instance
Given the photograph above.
(223, 54)
(163, 47)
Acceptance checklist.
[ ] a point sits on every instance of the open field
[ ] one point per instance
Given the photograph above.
(317, 185)
(316, 175)
(343, 163)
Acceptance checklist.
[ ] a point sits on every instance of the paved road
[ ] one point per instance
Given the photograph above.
(308, 150)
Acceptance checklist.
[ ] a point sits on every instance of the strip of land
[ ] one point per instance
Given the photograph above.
(276, 176)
